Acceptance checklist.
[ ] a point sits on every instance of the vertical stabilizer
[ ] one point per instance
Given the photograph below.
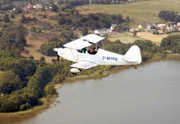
(133, 55)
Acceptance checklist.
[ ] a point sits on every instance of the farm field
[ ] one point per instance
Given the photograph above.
(154, 38)
(139, 12)
(123, 37)
(149, 36)
(128, 38)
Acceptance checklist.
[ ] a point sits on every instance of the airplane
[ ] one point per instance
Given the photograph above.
(77, 51)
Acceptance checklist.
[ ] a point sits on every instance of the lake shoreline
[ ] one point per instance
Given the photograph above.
(48, 101)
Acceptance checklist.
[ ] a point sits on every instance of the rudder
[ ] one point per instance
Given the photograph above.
(133, 55)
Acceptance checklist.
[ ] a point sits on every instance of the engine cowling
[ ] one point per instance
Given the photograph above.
(75, 70)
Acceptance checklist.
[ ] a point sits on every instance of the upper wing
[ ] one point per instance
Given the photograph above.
(84, 65)
(93, 38)
(83, 42)
(77, 44)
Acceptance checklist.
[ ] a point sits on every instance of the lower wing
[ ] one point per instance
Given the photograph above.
(84, 65)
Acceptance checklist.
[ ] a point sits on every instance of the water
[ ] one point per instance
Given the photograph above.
(148, 95)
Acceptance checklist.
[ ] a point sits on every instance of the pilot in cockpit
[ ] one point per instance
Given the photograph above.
(83, 50)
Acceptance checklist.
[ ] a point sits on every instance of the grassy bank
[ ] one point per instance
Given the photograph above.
(46, 102)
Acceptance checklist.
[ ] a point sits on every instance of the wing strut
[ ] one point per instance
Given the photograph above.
(74, 55)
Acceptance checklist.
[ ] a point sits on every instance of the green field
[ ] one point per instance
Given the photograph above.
(123, 37)
(139, 12)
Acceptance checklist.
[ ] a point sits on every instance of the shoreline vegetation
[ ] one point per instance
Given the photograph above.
(50, 100)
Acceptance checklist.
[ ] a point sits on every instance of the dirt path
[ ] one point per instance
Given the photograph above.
(32, 48)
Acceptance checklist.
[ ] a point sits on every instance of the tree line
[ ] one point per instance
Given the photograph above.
(12, 40)
(171, 43)
(85, 2)
(7, 4)
(169, 16)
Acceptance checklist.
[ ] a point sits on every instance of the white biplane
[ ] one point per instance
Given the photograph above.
(85, 56)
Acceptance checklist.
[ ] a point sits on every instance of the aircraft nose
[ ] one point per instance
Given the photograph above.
(59, 50)
(56, 49)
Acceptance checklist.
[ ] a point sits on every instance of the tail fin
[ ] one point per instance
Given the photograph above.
(133, 55)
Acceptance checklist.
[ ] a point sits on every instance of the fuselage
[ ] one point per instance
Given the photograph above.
(102, 57)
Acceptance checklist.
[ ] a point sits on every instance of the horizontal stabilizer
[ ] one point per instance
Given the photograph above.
(133, 55)
(84, 65)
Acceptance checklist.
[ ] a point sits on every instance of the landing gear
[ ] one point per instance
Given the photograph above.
(58, 58)
(74, 71)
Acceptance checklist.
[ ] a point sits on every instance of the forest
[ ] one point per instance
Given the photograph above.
(23, 81)
(171, 43)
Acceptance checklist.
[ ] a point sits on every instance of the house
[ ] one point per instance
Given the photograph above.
(140, 27)
(132, 30)
(151, 28)
(113, 27)
(38, 6)
(106, 30)
(160, 32)
(50, 7)
(13, 9)
(29, 6)
(102, 31)
(46, 7)
(161, 25)
(178, 24)
(170, 28)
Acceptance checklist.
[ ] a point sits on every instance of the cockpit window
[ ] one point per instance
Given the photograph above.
(92, 51)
